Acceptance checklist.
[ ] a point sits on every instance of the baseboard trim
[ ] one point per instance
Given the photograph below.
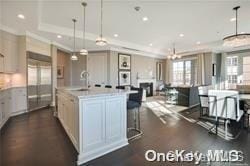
(18, 113)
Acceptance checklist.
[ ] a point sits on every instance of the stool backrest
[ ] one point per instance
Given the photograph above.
(120, 87)
(97, 85)
(108, 86)
(137, 97)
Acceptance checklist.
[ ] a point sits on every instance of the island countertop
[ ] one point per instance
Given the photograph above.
(84, 92)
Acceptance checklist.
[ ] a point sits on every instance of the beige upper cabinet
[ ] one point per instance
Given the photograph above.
(10, 52)
(1, 64)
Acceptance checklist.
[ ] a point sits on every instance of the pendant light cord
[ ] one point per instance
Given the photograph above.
(236, 22)
(101, 16)
(173, 48)
(84, 24)
(74, 20)
(236, 17)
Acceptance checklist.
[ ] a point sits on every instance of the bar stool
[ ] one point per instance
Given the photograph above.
(120, 87)
(108, 86)
(97, 85)
(247, 113)
(134, 104)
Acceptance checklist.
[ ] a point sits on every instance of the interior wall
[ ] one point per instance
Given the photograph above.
(204, 67)
(63, 60)
(221, 77)
(76, 69)
(142, 66)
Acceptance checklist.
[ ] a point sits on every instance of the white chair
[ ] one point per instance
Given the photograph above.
(203, 95)
(224, 104)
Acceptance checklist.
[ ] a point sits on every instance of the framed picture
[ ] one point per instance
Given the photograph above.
(124, 78)
(124, 62)
(159, 74)
(60, 72)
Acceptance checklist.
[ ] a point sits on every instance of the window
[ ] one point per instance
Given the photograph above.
(246, 70)
(182, 72)
(178, 71)
(232, 72)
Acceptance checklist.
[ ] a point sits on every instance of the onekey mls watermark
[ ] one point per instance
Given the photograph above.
(230, 156)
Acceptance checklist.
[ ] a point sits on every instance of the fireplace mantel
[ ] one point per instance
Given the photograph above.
(146, 80)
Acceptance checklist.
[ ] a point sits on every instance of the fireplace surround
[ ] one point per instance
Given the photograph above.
(148, 87)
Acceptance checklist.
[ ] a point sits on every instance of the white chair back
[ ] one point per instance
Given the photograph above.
(224, 107)
(203, 90)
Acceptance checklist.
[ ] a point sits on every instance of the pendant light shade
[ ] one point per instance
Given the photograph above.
(174, 55)
(84, 51)
(73, 56)
(101, 41)
(237, 40)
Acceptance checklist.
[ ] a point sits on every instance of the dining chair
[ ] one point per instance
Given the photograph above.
(97, 85)
(120, 87)
(203, 96)
(224, 104)
(108, 86)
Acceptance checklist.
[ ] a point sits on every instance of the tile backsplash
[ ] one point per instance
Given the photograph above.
(1, 80)
(5, 80)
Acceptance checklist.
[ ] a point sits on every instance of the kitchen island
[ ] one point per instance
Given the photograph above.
(95, 120)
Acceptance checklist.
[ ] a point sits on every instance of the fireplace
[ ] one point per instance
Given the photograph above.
(148, 87)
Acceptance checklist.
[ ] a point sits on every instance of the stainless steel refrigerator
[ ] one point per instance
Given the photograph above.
(39, 81)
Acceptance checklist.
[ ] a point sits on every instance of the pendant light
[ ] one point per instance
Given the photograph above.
(73, 56)
(174, 55)
(101, 41)
(237, 39)
(83, 51)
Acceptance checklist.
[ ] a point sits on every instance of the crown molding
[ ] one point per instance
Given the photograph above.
(9, 30)
(92, 37)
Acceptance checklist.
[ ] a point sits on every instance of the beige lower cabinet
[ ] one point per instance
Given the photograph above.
(13, 101)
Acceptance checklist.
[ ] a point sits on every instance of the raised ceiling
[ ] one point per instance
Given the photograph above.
(206, 22)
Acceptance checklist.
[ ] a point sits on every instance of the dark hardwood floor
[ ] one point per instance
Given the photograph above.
(37, 139)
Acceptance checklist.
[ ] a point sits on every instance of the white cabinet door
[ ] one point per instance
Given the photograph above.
(10, 51)
(114, 117)
(93, 124)
(19, 100)
(7, 104)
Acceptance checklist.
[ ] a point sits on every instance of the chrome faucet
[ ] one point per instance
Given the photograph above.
(85, 76)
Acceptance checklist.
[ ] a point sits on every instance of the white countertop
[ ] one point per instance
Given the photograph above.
(12, 87)
(93, 91)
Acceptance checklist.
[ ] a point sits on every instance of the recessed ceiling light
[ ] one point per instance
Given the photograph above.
(198, 42)
(21, 16)
(145, 19)
(181, 35)
(233, 19)
(151, 44)
(116, 35)
(59, 36)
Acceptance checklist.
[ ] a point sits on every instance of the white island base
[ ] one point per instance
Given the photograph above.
(95, 121)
